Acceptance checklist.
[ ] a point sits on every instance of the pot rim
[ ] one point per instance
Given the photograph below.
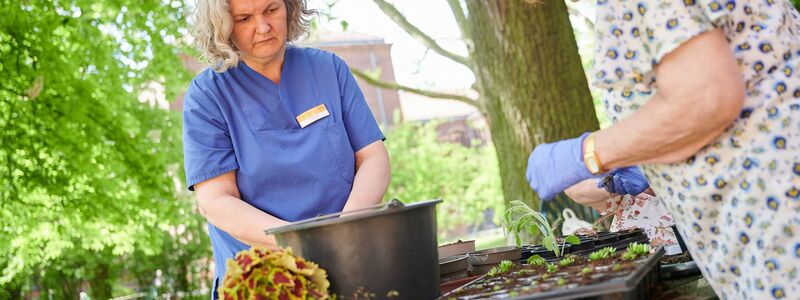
(391, 207)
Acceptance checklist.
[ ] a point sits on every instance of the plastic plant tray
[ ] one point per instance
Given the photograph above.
(638, 284)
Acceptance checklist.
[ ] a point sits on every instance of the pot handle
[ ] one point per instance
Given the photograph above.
(392, 204)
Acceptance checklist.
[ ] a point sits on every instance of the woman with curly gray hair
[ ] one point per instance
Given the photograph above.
(273, 133)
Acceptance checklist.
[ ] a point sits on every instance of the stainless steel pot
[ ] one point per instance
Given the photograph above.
(386, 251)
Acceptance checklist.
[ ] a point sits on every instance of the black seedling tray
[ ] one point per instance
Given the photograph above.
(638, 284)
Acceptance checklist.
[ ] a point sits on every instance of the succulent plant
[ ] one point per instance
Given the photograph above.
(566, 261)
(502, 267)
(602, 253)
(260, 273)
(551, 268)
(636, 250)
(536, 260)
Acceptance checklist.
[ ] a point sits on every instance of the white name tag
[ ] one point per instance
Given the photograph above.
(312, 115)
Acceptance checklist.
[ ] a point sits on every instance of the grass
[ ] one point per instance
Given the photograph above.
(490, 241)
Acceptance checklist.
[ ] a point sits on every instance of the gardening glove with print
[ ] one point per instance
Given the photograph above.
(554, 167)
(625, 181)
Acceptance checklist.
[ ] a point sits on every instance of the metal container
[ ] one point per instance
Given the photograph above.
(385, 251)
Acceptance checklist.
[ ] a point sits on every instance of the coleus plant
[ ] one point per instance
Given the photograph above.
(260, 273)
(520, 217)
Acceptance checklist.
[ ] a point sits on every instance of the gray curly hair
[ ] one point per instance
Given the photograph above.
(213, 24)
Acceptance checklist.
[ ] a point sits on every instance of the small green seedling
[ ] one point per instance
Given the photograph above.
(536, 260)
(586, 270)
(502, 267)
(602, 253)
(636, 250)
(566, 261)
(551, 268)
(561, 281)
(506, 265)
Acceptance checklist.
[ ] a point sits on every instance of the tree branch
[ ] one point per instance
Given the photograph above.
(416, 33)
(396, 86)
(461, 18)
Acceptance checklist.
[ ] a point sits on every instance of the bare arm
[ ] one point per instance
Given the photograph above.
(587, 193)
(372, 177)
(220, 202)
(700, 93)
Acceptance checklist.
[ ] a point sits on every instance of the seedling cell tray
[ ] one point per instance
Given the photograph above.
(637, 282)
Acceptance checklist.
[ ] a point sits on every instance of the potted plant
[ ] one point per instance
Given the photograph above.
(260, 273)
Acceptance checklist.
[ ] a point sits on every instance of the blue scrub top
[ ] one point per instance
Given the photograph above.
(240, 120)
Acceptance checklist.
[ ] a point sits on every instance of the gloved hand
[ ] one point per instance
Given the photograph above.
(625, 181)
(554, 167)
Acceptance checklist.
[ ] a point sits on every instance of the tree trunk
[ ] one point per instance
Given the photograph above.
(531, 82)
(100, 283)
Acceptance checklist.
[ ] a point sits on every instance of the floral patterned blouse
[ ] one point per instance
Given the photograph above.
(642, 211)
(736, 201)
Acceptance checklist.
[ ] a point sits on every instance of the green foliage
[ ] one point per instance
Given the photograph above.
(424, 168)
(90, 172)
(573, 240)
(586, 270)
(602, 253)
(551, 268)
(561, 281)
(520, 218)
(502, 267)
(636, 250)
(566, 261)
(536, 260)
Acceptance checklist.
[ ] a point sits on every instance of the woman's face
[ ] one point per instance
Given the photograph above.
(259, 27)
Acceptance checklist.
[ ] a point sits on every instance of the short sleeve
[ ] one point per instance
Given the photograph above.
(207, 147)
(359, 122)
(681, 21)
(634, 36)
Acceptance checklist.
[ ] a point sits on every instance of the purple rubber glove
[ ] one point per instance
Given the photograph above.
(625, 181)
(554, 167)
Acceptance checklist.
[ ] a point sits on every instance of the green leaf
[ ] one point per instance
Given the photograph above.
(547, 242)
(574, 240)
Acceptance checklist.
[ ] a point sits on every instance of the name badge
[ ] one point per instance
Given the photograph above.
(312, 115)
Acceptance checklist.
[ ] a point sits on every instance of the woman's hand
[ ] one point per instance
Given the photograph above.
(624, 181)
(556, 166)
(586, 193)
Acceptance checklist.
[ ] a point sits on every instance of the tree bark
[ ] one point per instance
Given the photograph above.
(529, 77)
(531, 82)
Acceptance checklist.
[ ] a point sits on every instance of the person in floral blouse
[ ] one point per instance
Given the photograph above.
(705, 97)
